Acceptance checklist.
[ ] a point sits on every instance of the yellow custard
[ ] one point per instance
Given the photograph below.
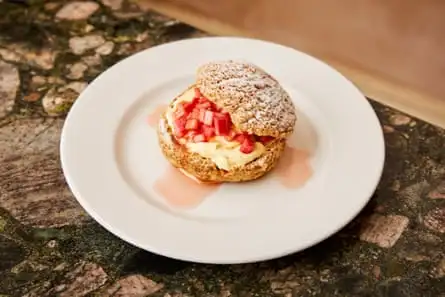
(225, 154)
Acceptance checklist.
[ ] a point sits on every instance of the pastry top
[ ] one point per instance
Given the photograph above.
(256, 102)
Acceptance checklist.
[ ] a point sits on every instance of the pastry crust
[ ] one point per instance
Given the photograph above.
(257, 104)
(205, 170)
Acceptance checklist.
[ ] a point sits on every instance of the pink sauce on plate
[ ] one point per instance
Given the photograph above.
(293, 169)
(180, 190)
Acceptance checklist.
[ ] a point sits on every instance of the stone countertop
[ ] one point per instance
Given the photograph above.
(49, 51)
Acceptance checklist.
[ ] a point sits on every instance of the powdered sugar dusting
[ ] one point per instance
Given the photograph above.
(255, 100)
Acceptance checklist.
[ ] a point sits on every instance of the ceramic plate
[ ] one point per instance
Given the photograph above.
(114, 167)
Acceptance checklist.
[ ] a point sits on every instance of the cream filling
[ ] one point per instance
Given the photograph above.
(225, 154)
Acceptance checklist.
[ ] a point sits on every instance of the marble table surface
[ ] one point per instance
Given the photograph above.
(49, 246)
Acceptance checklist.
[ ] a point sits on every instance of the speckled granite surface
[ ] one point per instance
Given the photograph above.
(49, 51)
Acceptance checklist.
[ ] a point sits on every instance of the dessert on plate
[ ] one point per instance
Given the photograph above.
(231, 125)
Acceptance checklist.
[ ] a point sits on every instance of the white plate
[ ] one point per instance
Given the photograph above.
(111, 158)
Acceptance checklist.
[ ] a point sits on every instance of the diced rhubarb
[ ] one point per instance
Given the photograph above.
(180, 132)
(180, 127)
(180, 122)
(222, 124)
(247, 146)
(184, 108)
(265, 139)
(240, 138)
(200, 120)
(202, 113)
(231, 136)
(192, 124)
(197, 93)
(208, 118)
(204, 105)
(188, 106)
(221, 127)
(180, 111)
(208, 132)
(196, 101)
(195, 114)
(190, 134)
(226, 115)
(199, 138)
